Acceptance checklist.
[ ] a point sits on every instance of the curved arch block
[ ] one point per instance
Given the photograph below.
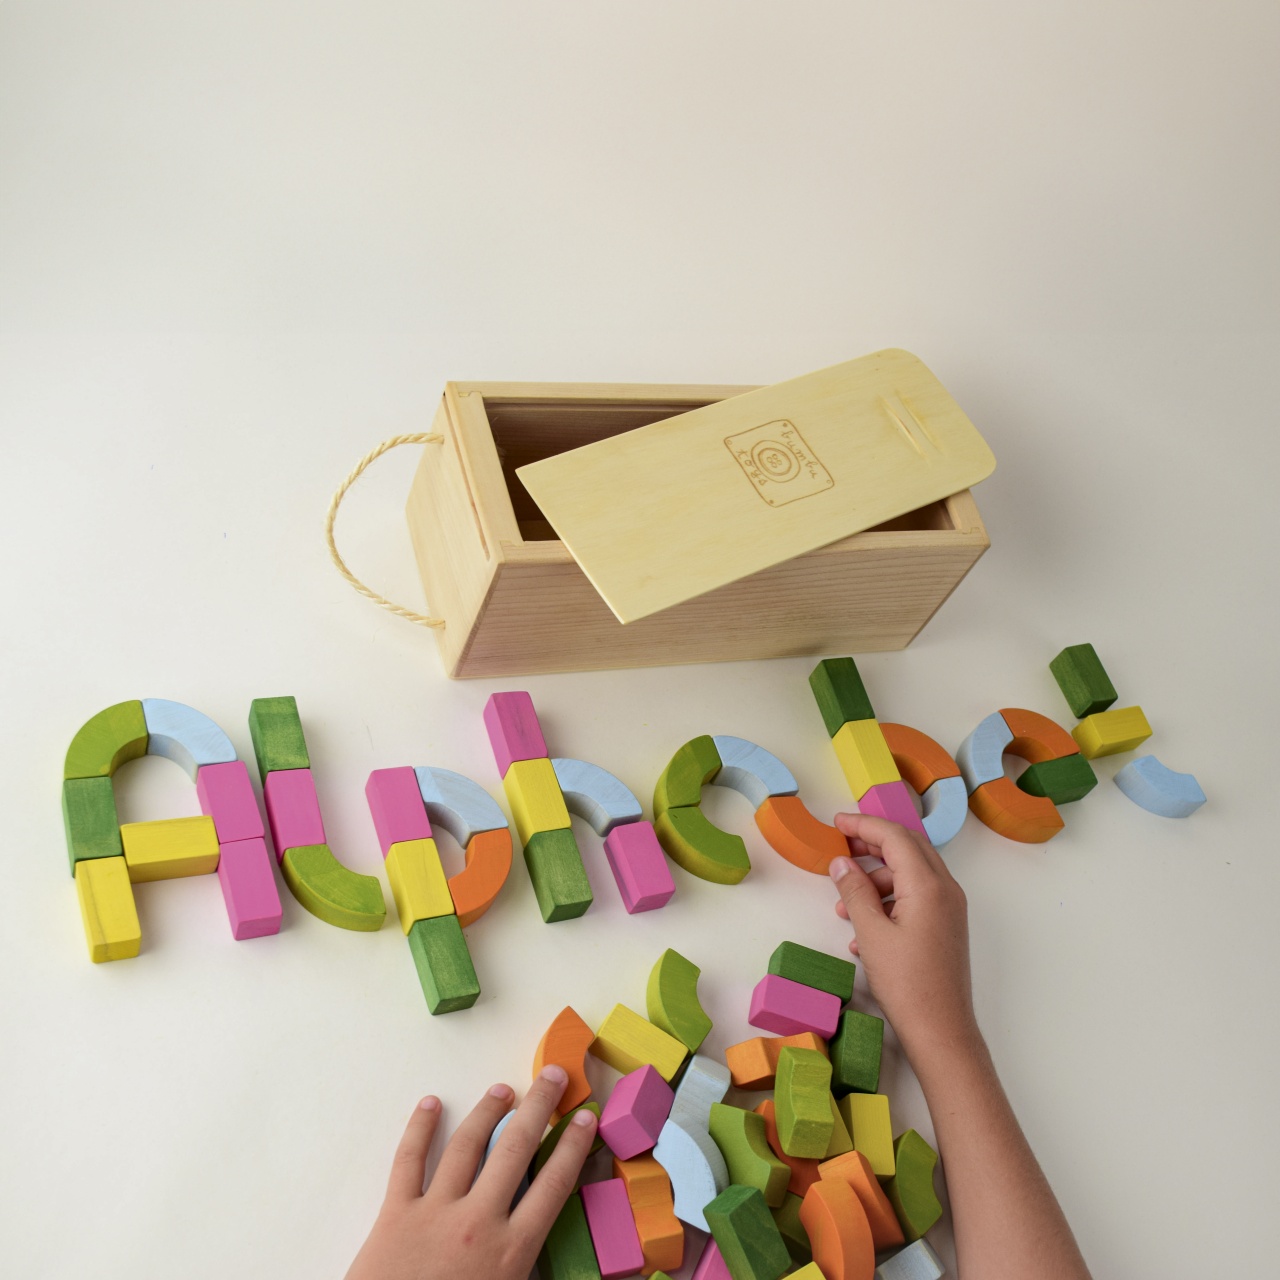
(331, 892)
(791, 830)
(1036, 738)
(752, 771)
(741, 1138)
(184, 735)
(855, 1169)
(1013, 813)
(595, 795)
(920, 759)
(565, 1043)
(838, 1230)
(1158, 789)
(105, 741)
(946, 806)
(696, 1168)
(981, 755)
(459, 805)
(488, 865)
(694, 765)
(910, 1190)
(671, 1000)
(693, 842)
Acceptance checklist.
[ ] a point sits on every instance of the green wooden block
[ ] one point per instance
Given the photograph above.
(559, 879)
(689, 770)
(1083, 680)
(748, 1237)
(444, 965)
(276, 730)
(568, 1253)
(552, 1140)
(1063, 780)
(89, 815)
(692, 841)
(331, 892)
(743, 1142)
(794, 1236)
(855, 1053)
(814, 969)
(910, 1190)
(105, 741)
(802, 1102)
(671, 1000)
(840, 693)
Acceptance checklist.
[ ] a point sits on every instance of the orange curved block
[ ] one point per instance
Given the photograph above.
(653, 1207)
(566, 1043)
(837, 1227)
(794, 832)
(753, 1063)
(920, 759)
(804, 1172)
(1014, 814)
(488, 864)
(855, 1169)
(1036, 737)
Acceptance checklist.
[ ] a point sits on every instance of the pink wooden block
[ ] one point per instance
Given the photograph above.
(226, 796)
(892, 800)
(639, 866)
(293, 809)
(636, 1110)
(613, 1229)
(712, 1266)
(514, 731)
(395, 801)
(787, 1008)
(249, 888)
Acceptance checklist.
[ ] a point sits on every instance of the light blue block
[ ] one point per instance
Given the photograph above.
(1158, 789)
(462, 807)
(493, 1142)
(946, 806)
(595, 795)
(981, 754)
(696, 1168)
(184, 735)
(752, 771)
(916, 1262)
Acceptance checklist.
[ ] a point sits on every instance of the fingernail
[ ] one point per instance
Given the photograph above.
(430, 1104)
(554, 1074)
(840, 867)
(583, 1118)
(500, 1091)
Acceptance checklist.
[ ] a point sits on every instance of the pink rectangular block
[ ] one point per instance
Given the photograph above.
(293, 810)
(514, 731)
(395, 801)
(787, 1008)
(712, 1266)
(249, 888)
(636, 1110)
(226, 796)
(892, 800)
(613, 1229)
(639, 867)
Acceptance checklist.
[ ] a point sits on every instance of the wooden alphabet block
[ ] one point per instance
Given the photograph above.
(804, 1170)
(565, 1043)
(746, 1235)
(559, 879)
(1062, 780)
(791, 830)
(395, 804)
(1014, 814)
(752, 771)
(293, 809)
(226, 795)
(626, 1041)
(867, 1118)
(1035, 737)
(1083, 680)
(276, 730)
(893, 801)
(671, 1000)
(247, 878)
(981, 755)
(816, 969)
(595, 795)
(741, 1138)
(184, 735)
(170, 847)
(791, 1229)
(534, 796)
(334, 893)
(802, 1098)
(855, 1053)
(838, 1230)
(653, 1206)
(916, 1262)
(910, 1189)
(1158, 789)
(636, 1110)
(513, 728)
(921, 761)
(680, 785)
(110, 918)
(1107, 733)
(105, 741)
(613, 1229)
(418, 884)
(946, 806)
(459, 805)
(443, 962)
(568, 1253)
(696, 1169)
(639, 867)
(753, 1064)
(864, 756)
(90, 818)
(855, 1169)
(693, 842)
(786, 1008)
(840, 694)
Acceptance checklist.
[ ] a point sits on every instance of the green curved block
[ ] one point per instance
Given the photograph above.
(693, 842)
(802, 1102)
(671, 1000)
(105, 741)
(568, 1253)
(89, 815)
(1063, 780)
(689, 770)
(278, 740)
(444, 966)
(794, 1236)
(334, 893)
(910, 1190)
(840, 694)
(552, 1140)
(748, 1237)
(741, 1137)
(855, 1049)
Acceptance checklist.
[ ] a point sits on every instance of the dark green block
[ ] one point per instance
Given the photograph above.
(840, 693)
(814, 969)
(568, 1253)
(1062, 781)
(444, 965)
(276, 730)
(1083, 680)
(855, 1053)
(794, 1236)
(89, 815)
(552, 1140)
(559, 878)
(749, 1239)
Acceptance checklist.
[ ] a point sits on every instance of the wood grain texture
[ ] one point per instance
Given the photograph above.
(635, 1112)
(626, 1041)
(864, 756)
(331, 892)
(90, 819)
(1014, 814)
(746, 1234)
(639, 866)
(917, 1261)
(653, 1207)
(817, 969)
(838, 1231)
(981, 755)
(705, 1082)
(443, 961)
(170, 847)
(418, 884)
(855, 1052)
(910, 1188)
(567, 1253)
(488, 864)
(293, 809)
(514, 732)
(671, 1000)
(565, 1043)
(891, 800)
(787, 1008)
(804, 1170)
(535, 798)
(794, 1236)
(1063, 781)
(111, 928)
(458, 804)
(184, 735)
(694, 842)
(1035, 737)
(802, 1098)
(558, 877)
(750, 1160)
(753, 1064)
(246, 875)
(1159, 789)
(1108, 733)
(792, 831)
(613, 1228)
(105, 741)
(693, 765)
(396, 807)
(855, 1169)
(920, 759)
(226, 795)
(752, 771)
(841, 1140)
(696, 1168)
(946, 806)
(869, 1124)
(840, 693)
(595, 795)
(1083, 680)
(276, 730)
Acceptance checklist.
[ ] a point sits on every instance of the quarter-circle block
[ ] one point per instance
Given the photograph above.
(443, 962)
(1158, 789)
(855, 1051)
(248, 884)
(892, 800)
(840, 694)
(626, 1041)
(694, 842)
(635, 1112)
(488, 864)
(90, 818)
(867, 1117)
(226, 795)
(184, 735)
(787, 1008)
(946, 806)
(565, 1043)
(396, 806)
(613, 1228)
(169, 848)
(694, 765)
(639, 867)
(1063, 780)
(752, 771)
(917, 1261)
(558, 877)
(838, 1230)
(671, 1000)
(567, 1253)
(513, 728)
(278, 740)
(791, 830)
(1083, 680)
(595, 795)
(653, 1207)
(802, 1099)
(753, 1064)
(921, 761)
(458, 804)
(1012, 813)
(981, 755)
(855, 1169)
(1108, 733)
(105, 741)
(696, 1168)
(864, 756)
(418, 884)
(334, 893)
(746, 1234)
(107, 909)
(1035, 737)
(815, 969)
(804, 1170)
(535, 798)
(910, 1190)
(741, 1138)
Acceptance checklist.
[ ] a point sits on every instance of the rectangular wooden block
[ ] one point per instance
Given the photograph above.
(110, 918)
(396, 806)
(1108, 733)
(864, 756)
(626, 1041)
(840, 694)
(1083, 680)
(855, 1051)
(444, 965)
(513, 728)
(89, 816)
(867, 1116)
(568, 1253)
(418, 882)
(814, 969)
(753, 1063)
(170, 847)
(276, 730)
(293, 810)
(613, 1228)
(747, 1236)
(788, 1008)
(893, 801)
(639, 867)
(248, 884)
(226, 795)
(558, 877)
(535, 798)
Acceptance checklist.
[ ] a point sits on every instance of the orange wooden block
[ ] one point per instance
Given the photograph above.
(753, 1063)
(1036, 737)
(488, 864)
(804, 1172)
(920, 759)
(653, 1207)
(794, 832)
(566, 1043)
(838, 1230)
(1011, 812)
(855, 1169)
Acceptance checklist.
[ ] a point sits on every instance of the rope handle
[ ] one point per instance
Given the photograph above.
(422, 620)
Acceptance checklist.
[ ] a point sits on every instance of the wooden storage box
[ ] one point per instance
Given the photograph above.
(515, 602)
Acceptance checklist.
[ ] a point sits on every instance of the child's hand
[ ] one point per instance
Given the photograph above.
(457, 1229)
(915, 949)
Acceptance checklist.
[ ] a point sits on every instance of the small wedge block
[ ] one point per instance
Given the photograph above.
(804, 1170)
(595, 795)
(613, 1229)
(418, 884)
(459, 805)
(170, 847)
(1035, 737)
(488, 864)
(559, 879)
(247, 878)
(111, 927)
(293, 809)
(331, 892)
(791, 830)
(444, 966)
(1012, 813)
(105, 741)
(626, 1042)
(513, 728)
(1160, 790)
(534, 796)
(921, 761)
(680, 785)
(184, 735)
(855, 1051)
(910, 1189)
(752, 771)
(753, 1064)
(395, 804)
(946, 806)
(864, 756)
(981, 755)
(90, 818)
(568, 1253)
(557, 1130)
(746, 1235)
(794, 1236)
(565, 1043)
(787, 1008)
(693, 842)
(840, 694)
(696, 1169)
(867, 1118)
(1063, 781)
(1108, 733)
(653, 1207)
(817, 969)
(639, 866)
(636, 1110)
(1083, 680)
(916, 1262)
(893, 801)
(839, 1232)
(704, 1083)
(855, 1169)
(226, 795)
(276, 730)
(802, 1098)
(741, 1138)
(671, 1000)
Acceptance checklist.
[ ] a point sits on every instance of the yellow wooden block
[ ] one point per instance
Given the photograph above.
(106, 905)
(864, 756)
(1107, 733)
(418, 882)
(867, 1118)
(170, 847)
(626, 1041)
(536, 801)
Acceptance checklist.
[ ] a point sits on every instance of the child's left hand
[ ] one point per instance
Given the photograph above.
(455, 1228)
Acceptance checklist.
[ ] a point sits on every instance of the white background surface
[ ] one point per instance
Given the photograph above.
(240, 243)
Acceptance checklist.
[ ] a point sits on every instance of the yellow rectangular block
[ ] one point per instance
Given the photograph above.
(170, 847)
(841, 1143)
(106, 906)
(864, 756)
(536, 801)
(626, 1041)
(418, 882)
(867, 1117)
(1107, 733)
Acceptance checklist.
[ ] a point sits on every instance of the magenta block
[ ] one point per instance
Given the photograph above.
(892, 800)
(635, 1112)
(613, 1228)
(639, 866)
(514, 731)
(249, 888)
(787, 1008)
(226, 796)
(293, 809)
(395, 801)
(712, 1266)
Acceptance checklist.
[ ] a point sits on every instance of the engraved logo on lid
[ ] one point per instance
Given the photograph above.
(778, 461)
